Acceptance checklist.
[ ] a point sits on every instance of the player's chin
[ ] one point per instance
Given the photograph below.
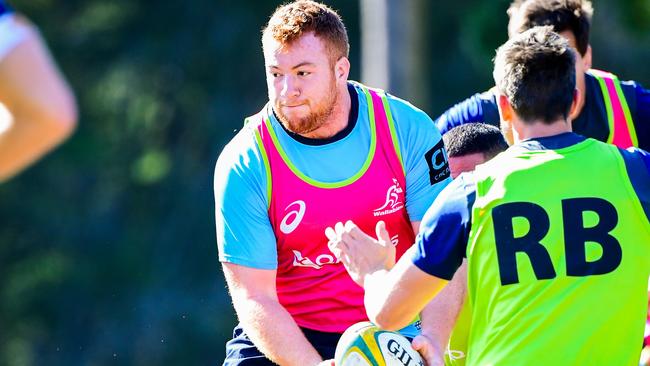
(302, 125)
(298, 117)
(294, 118)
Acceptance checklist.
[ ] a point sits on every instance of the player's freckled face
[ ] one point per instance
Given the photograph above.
(301, 82)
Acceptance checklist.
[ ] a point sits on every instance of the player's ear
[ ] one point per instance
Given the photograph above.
(507, 115)
(342, 69)
(505, 108)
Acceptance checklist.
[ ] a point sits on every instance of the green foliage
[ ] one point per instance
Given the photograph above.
(637, 13)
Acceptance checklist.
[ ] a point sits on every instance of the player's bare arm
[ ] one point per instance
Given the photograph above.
(264, 319)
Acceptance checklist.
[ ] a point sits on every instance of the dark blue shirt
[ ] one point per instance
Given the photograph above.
(444, 231)
(4, 8)
(591, 122)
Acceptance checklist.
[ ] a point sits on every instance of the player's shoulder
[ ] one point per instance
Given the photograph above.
(242, 152)
(461, 188)
(405, 112)
(636, 154)
(402, 111)
(480, 107)
(640, 94)
(496, 166)
(456, 198)
(629, 87)
(412, 123)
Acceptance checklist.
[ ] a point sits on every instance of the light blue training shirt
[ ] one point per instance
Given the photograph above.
(244, 232)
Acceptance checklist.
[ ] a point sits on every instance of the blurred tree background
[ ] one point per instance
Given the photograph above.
(107, 249)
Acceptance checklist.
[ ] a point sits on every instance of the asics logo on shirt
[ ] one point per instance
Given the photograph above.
(393, 202)
(293, 218)
(321, 260)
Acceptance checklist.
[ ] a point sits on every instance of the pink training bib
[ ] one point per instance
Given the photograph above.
(621, 127)
(311, 284)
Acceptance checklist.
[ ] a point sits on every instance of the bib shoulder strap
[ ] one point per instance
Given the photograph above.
(621, 126)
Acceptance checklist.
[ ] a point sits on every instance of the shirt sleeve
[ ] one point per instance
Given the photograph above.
(423, 156)
(637, 164)
(480, 107)
(244, 232)
(641, 114)
(441, 244)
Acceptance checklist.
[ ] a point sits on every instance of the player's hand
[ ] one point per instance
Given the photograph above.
(360, 253)
(432, 354)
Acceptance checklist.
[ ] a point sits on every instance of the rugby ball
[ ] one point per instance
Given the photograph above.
(363, 344)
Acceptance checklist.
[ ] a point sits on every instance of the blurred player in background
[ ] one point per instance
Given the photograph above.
(37, 107)
(472, 144)
(608, 110)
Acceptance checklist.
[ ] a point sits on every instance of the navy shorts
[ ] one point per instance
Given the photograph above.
(240, 351)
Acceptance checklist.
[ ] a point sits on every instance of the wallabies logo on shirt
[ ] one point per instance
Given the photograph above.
(438, 165)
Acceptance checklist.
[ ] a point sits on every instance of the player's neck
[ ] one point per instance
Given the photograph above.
(524, 131)
(338, 119)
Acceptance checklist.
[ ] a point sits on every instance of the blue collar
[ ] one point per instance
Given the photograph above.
(554, 142)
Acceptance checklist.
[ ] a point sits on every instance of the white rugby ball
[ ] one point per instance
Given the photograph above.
(364, 344)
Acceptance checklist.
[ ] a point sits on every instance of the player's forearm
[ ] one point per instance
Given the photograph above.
(382, 302)
(440, 315)
(394, 298)
(275, 333)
